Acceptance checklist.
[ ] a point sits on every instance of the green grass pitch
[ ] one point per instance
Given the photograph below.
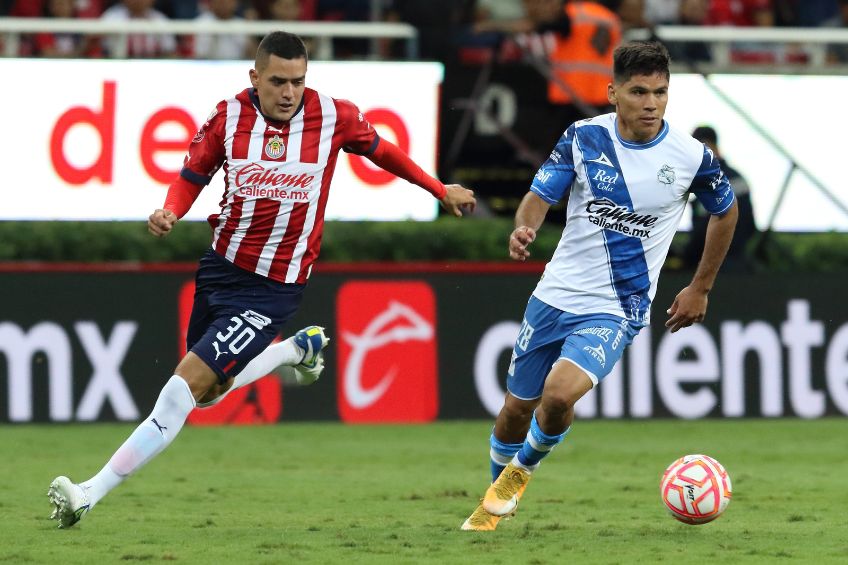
(329, 493)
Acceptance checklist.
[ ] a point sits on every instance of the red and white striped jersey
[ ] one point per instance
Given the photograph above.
(276, 178)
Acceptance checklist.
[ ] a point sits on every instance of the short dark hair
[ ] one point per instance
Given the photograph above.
(282, 44)
(705, 134)
(645, 58)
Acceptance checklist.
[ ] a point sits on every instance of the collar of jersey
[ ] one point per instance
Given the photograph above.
(251, 92)
(646, 145)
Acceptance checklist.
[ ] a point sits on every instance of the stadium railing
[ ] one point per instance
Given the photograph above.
(721, 39)
(11, 30)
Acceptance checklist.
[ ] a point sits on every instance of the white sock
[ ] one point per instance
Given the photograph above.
(147, 441)
(529, 468)
(284, 353)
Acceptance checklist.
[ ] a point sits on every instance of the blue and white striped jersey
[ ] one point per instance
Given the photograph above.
(625, 201)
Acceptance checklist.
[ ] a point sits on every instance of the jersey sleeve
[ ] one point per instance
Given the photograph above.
(358, 136)
(554, 178)
(206, 151)
(711, 186)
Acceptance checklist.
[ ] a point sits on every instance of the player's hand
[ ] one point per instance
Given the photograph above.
(457, 199)
(689, 307)
(519, 239)
(160, 222)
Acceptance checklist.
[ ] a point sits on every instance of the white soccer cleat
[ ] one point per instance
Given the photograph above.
(69, 500)
(312, 341)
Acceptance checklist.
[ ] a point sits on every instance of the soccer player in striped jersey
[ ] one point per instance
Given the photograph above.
(278, 142)
(627, 176)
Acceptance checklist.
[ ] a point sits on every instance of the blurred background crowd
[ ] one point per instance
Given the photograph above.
(471, 30)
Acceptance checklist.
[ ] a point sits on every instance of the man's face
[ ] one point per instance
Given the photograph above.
(640, 105)
(279, 84)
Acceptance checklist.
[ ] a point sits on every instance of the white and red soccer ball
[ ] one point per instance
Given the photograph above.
(696, 489)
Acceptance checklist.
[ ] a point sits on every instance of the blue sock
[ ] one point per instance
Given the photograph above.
(538, 445)
(501, 454)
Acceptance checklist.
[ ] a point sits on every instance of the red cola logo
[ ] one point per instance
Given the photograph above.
(255, 175)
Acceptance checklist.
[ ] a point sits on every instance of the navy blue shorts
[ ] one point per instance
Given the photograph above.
(236, 314)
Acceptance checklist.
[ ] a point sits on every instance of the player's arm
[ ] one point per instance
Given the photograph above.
(205, 156)
(690, 304)
(361, 138)
(528, 219)
(551, 184)
(714, 191)
(389, 157)
(181, 195)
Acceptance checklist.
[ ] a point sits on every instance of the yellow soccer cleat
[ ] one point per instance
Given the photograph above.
(503, 495)
(480, 520)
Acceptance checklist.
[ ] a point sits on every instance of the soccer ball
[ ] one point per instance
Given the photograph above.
(695, 489)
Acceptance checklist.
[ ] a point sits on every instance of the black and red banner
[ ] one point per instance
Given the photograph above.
(413, 343)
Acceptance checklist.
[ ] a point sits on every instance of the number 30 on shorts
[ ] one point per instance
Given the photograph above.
(247, 333)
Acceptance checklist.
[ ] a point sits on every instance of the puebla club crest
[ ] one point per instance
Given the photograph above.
(666, 175)
(275, 147)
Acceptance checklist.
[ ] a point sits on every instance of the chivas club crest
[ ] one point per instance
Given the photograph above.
(275, 147)
(666, 175)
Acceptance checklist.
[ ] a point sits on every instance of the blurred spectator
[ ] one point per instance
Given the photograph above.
(438, 23)
(747, 13)
(264, 10)
(632, 15)
(746, 228)
(804, 13)
(816, 12)
(344, 10)
(291, 11)
(179, 9)
(743, 13)
(581, 61)
(489, 34)
(36, 8)
(62, 44)
(286, 10)
(347, 11)
(662, 12)
(138, 45)
(838, 53)
(692, 13)
(219, 46)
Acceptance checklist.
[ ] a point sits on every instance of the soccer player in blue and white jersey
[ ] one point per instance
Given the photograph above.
(627, 176)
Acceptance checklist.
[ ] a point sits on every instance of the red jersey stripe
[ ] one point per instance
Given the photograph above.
(230, 225)
(261, 225)
(313, 246)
